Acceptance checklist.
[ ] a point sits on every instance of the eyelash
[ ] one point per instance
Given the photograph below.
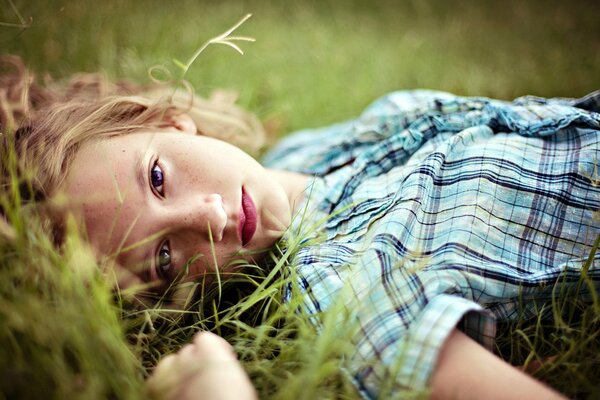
(162, 272)
(157, 188)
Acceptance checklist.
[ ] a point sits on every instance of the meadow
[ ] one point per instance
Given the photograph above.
(65, 334)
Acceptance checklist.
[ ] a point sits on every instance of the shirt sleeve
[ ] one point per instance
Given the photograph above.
(393, 358)
(401, 324)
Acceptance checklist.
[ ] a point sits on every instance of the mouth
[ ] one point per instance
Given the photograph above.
(247, 223)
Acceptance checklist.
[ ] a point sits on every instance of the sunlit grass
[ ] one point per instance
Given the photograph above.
(60, 335)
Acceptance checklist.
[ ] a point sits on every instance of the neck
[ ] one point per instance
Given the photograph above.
(294, 185)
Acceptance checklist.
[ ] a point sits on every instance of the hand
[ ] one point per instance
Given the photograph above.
(205, 369)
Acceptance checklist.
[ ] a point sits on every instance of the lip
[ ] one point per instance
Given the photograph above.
(247, 220)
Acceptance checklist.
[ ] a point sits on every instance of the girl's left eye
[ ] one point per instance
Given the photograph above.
(157, 178)
(163, 262)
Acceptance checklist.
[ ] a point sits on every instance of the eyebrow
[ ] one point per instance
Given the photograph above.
(139, 256)
(141, 171)
(147, 259)
(141, 269)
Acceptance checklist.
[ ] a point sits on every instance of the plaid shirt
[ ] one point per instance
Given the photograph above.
(440, 210)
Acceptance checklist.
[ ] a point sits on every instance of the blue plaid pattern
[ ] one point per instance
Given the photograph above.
(443, 211)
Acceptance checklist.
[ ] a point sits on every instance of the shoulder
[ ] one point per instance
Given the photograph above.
(317, 150)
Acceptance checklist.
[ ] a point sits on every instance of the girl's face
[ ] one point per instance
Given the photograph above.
(162, 199)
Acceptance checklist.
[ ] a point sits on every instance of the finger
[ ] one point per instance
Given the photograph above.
(213, 348)
(162, 383)
(187, 353)
(209, 338)
(165, 364)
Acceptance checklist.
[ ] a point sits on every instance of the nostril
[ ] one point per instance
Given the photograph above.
(217, 216)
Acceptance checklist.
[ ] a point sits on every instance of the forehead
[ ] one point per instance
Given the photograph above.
(106, 170)
(103, 185)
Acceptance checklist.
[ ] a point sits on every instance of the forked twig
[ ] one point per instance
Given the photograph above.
(223, 38)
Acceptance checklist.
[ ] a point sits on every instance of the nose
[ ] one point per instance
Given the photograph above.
(204, 214)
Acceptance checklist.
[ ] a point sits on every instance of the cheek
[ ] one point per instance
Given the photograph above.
(108, 223)
(198, 270)
(97, 217)
(199, 170)
(201, 256)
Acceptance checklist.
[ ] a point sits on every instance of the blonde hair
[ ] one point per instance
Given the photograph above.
(46, 124)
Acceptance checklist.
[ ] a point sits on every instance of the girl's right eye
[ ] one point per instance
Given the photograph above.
(157, 178)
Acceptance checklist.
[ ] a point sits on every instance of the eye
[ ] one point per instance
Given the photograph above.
(157, 178)
(163, 261)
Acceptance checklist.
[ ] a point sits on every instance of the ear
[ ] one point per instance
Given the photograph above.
(223, 96)
(179, 121)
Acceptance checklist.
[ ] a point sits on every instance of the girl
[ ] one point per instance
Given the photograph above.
(432, 216)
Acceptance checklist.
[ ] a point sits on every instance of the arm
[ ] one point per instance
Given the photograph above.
(466, 370)
(205, 369)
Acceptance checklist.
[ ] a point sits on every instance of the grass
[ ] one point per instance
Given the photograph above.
(313, 62)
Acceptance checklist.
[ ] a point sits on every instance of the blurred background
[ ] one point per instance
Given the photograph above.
(316, 62)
